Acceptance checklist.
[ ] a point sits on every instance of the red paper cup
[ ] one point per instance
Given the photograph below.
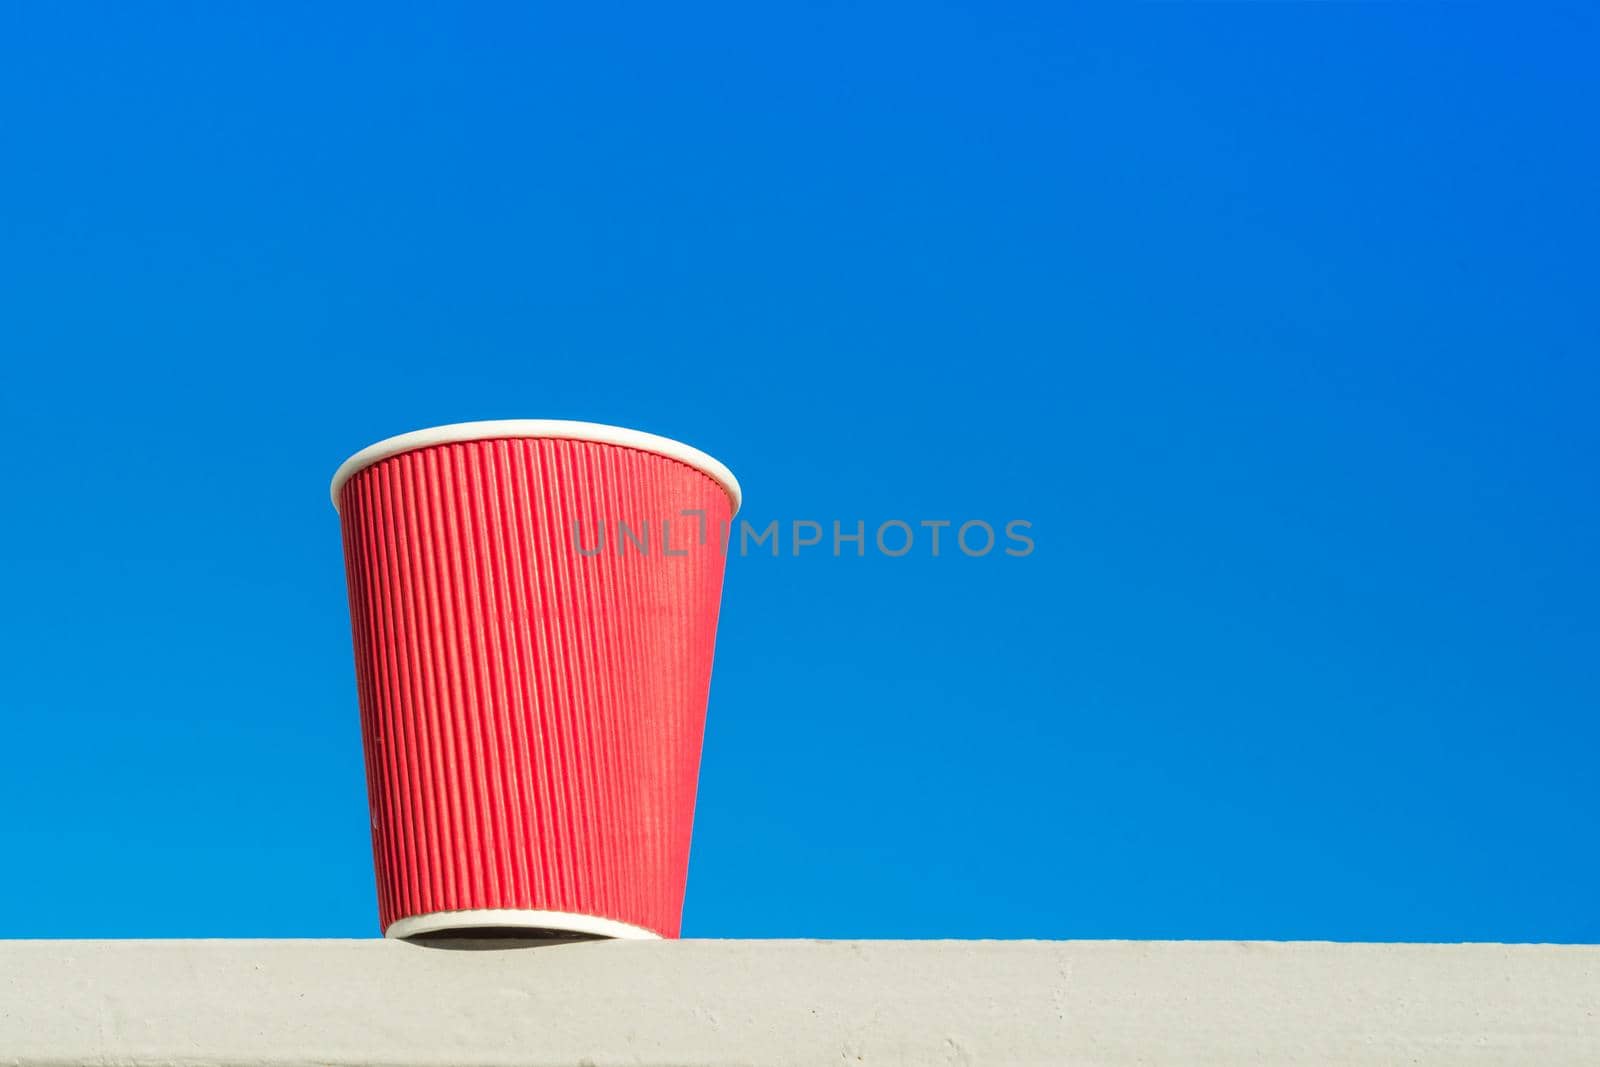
(534, 607)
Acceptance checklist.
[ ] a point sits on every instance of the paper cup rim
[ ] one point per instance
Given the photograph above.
(563, 921)
(564, 429)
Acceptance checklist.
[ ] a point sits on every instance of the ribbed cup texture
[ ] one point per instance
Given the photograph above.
(532, 715)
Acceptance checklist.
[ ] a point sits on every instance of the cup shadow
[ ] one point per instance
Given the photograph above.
(499, 938)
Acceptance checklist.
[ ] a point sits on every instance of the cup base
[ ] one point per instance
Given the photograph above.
(503, 922)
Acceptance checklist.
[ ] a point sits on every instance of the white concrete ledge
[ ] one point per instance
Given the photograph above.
(795, 1002)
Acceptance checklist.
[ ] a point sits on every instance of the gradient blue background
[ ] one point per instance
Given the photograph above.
(1278, 322)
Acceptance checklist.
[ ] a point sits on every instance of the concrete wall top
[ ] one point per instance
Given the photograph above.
(795, 1002)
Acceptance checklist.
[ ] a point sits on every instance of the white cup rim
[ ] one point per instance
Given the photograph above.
(565, 429)
(477, 918)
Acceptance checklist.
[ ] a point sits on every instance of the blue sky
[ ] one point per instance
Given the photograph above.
(1277, 322)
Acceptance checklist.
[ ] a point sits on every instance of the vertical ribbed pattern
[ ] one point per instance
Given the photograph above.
(532, 716)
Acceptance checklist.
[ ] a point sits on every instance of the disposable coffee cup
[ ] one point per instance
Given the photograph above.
(533, 605)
